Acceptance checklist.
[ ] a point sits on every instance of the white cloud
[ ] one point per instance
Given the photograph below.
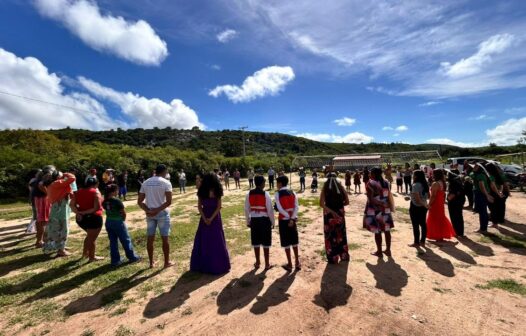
(136, 41)
(429, 103)
(482, 117)
(28, 77)
(446, 141)
(404, 42)
(515, 110)
(474, 64)
(146, 113)
(227, 35)
(268, 81)
(508, 132)
(402, 128)
(387, 128)
(354, 137)
(396, 134)
(345, 121)
(215, 67)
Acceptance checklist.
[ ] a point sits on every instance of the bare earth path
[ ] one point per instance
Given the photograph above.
(432, 293)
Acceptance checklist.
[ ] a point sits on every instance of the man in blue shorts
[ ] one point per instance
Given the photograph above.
(155, 197)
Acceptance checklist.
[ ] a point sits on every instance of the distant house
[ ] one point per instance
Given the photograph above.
(356, 162)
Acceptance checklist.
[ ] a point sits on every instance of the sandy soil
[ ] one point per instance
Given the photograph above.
(411, 294)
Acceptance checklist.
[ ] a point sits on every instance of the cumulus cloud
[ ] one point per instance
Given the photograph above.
(387, 128)
(144, 112)
(134, 41)
(447, 141)
(474, 64)
(406, 43)
(482, 117)
(505, 134)
(227, 35)
(354, 137)
(508, 132)
(402, 128)
(49, 106)
(345, 121)
(268, 81)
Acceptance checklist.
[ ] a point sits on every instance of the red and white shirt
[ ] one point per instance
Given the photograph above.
(258, 204)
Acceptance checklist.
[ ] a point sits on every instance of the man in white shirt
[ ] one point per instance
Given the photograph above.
(155, 196)
(182, 182)
(260, 219)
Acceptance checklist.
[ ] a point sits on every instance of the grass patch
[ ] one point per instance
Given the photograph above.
(508, 285)
(15, 214)
(441, 290)
(123, 331)
(187, 312)
(405, 211)
(506, 241)
(309, 202)
(354, 246)
(88, 332)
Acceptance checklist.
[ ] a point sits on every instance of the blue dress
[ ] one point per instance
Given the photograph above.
(209, 254)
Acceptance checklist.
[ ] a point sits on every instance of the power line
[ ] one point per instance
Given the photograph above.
(43, 101)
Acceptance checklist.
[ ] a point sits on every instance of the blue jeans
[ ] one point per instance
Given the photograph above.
(481, 206)
(161, 221)
(117, 231)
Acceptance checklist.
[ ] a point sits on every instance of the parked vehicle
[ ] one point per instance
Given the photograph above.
(515, 175)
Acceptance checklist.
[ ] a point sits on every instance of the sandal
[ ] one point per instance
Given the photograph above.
(287, 268)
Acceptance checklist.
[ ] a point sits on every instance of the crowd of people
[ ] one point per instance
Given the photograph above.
(55, 194)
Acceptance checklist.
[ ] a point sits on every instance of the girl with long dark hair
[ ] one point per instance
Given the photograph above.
(333, 200)
(439, 227)
(455, 202)
(418, 208)
(210, 254)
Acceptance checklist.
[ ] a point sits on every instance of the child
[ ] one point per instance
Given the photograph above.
(260, 219)
(314, 184)
(210, 254)
(116, 227)
(287, 205)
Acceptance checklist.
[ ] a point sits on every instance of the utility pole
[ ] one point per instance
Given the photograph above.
(242, 129)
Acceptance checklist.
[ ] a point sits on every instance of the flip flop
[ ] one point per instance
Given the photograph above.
(287, 268)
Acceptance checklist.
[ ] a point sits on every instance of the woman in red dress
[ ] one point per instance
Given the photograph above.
(439, 227)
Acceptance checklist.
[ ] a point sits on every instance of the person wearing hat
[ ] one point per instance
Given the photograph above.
(155, 196)
(333, 199)
(87, 205)
(482, 197)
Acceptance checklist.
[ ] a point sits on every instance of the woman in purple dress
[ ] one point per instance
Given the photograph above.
(210, 254)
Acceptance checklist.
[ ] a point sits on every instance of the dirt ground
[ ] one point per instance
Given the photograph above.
(430, 293)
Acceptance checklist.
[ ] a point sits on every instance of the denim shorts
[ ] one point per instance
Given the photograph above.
(161, 221)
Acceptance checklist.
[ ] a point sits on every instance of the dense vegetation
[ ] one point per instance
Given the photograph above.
(194, 150)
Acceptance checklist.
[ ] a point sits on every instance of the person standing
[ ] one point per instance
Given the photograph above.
(226, 179)
(237, 179)
(287, 205)
(122, 181)
(418, 208)
(140, 178)
(468, 187)
(155, 197)
(439, 227)
(209, 253)
(250, 176)
(455, 202)
(348, 176)
(357, 181)
(482, 197)
(116, 227)
(302, 179)
(182, 182)
(108, 177)
(389, 174)
(500, 192)
(87, 205)
(378, 217)
(408, 173)
(365, 175)
(259, 214)
(271, 174)
(42, 203)
(57, 230)
(92, 173)
(32, 186)
(333, 200)
(314, 183)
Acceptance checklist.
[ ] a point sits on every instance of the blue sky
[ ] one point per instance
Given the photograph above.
(337, 71)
